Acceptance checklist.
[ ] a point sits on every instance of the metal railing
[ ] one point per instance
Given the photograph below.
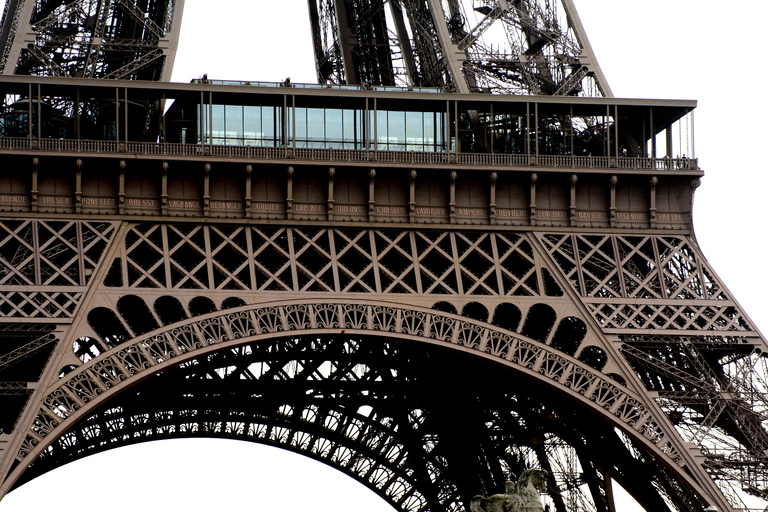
(349, 155)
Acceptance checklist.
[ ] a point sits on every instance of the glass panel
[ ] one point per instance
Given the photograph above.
(381, 130)
(268, 126)
(301, 127)
(396, 134)
(334, 128)
(414, 131)
(234, 125)
(252, 126)
(349, 136)
(219, 125)
(316, 127)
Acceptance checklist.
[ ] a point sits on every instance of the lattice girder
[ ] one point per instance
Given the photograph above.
(541, 280)
(121, 39)
(522, 47)
(92, 385)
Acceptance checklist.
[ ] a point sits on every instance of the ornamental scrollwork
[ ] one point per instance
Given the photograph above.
(441, 328)
(385, 319)
(412, 322)
(270, 320)
(111, 368)
(355, 316)
(554, 366)
(241, 324)
(326, 316)
(470, 336)
(133, 359)
(498, 344)
(186, 338)
(213, 331)
(298, 317)
(84, 387)
(108, 373)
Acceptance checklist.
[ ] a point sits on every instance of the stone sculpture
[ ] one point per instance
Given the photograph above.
(525, 496)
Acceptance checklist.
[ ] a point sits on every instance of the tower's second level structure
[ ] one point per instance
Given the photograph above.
(287, 151)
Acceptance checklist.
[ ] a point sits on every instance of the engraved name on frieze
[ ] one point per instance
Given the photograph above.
(14, 199)
(55, 200)
(550, 214)
(267, 207)
(590, 215)
(514, 212)
(142, 203)
(669, 217)
(349, 208)
(309, 208)
(226, 205)
(470, 212)
(183, 203)
(99, 201)
(391, 210)
(631, 216)
(423, 210)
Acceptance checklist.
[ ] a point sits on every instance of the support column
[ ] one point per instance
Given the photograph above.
(331, 174)
(79, 186)
(612, 209)
(289, 194)
(492, 205)
(372, 195)
(164, 190)
(248, 199)
(574, 180)
(412, 197)
(532, 206)
(33, 191)
(207, 191)
(121, 188)
(652, 212)
(452, 203)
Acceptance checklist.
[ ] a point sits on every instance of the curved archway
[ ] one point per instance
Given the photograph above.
(215, 338)
(507, 316)
(475, 310)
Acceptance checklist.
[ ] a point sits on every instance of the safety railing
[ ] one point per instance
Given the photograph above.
(349, 155)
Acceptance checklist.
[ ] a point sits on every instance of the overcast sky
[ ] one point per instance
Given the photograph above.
(678, 49)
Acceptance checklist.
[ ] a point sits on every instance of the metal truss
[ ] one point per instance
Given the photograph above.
(710, 378)
(117, 39)
(377, 410)
(690, 367)
(498, 46)
(331, 260)
(46, 265)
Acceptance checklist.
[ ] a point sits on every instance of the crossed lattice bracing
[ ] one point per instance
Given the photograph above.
(166, 288)
(520, 47)
(323, 365)
(120, 39)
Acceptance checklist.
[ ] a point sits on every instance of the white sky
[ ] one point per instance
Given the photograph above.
(680, 49)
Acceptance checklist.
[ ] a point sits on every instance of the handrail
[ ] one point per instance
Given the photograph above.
(349, 155)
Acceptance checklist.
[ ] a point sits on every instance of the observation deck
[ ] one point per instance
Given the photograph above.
(274, 151)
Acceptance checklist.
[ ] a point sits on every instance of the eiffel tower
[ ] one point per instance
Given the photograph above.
(456, 258)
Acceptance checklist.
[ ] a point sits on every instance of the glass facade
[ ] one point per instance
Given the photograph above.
(323, 128)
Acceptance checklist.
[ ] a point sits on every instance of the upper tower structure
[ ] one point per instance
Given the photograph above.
(118, 39)
(532, 47)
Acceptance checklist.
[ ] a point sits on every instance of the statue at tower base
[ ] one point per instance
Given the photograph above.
(521, 497)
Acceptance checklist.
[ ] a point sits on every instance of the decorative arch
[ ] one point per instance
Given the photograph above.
(77, 395)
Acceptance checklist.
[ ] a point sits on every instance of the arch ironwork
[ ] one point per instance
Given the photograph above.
(78, 415)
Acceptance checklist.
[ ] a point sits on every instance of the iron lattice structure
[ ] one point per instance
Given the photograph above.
(112, 39)
(522, 288)
(517, 47)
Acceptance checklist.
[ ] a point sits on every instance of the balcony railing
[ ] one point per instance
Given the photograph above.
(348, 155)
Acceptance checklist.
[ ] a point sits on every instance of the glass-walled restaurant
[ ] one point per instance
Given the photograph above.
(200, 117)
(321, 128)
